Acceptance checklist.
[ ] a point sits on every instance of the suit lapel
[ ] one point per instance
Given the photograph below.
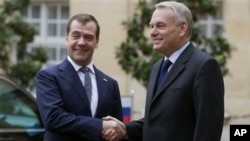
(153, 81)
(175, 71)
(172, 75)
(102, 85)
(68, 73)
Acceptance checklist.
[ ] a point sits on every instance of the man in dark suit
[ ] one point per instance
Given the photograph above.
(68, 114)
(188, 105)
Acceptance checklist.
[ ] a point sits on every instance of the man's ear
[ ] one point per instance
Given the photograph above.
(183, 29)
(66, 40)
(97, 43)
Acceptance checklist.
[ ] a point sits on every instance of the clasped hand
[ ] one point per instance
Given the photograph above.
(113, 129)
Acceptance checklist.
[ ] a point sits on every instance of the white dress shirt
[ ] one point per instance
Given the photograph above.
(94, 96)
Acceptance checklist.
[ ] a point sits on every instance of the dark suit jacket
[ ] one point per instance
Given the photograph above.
(64, 107)
(189, 106)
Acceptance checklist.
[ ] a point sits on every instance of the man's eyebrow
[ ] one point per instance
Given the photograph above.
(75, 31)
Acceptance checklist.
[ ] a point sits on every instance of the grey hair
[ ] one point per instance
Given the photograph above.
(181, 11)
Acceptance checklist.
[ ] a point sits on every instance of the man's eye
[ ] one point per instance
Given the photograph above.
(75, 36)
(89, 38)
(160, 26)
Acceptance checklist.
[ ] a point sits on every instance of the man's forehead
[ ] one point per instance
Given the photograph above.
(161, 15)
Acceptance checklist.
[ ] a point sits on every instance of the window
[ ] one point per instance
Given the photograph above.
(63, 52)
(17, 109)
(53, 24)
(33, 15)
(19, 118)
(207, 25)
(57, 20)
(50, 19)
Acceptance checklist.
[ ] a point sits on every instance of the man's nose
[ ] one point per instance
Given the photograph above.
(81, 40)
(153, 32)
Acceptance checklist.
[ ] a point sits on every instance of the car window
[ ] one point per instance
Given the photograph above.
(16, 108)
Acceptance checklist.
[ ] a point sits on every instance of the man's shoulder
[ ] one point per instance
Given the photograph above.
(202, 55)
(51, 69)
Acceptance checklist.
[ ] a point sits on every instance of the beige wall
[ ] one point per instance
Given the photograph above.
(237, 26)
(110, 14)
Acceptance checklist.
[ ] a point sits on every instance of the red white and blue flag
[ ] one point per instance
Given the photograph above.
(126, 108)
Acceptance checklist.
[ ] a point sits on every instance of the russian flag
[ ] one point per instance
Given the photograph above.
(126, 108)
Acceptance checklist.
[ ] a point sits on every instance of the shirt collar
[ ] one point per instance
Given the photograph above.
(77, 67)
(177, 53)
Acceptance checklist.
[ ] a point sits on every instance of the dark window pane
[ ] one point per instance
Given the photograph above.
(16, 108)
(51, 30)
(217, 29)
(35, 12)
(203, 29)
(219, 12)
(65, 12)
(63, 29)
(37, 26)
(52, 12)
(63, 53)
(51, 52)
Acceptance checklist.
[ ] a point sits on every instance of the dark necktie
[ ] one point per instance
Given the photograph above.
(88, 84)
(164, 70)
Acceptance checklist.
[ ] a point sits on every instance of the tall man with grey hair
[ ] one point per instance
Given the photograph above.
(188, 103)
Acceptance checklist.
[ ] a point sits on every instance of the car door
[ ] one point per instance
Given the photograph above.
(19, 118)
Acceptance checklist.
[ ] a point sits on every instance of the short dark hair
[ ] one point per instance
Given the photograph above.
(84, 18)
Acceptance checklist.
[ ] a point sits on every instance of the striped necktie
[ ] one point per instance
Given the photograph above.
(88, 84)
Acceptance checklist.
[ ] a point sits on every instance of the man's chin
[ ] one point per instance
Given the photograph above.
(157, 48)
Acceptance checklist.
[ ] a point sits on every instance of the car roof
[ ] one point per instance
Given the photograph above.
(5, 79)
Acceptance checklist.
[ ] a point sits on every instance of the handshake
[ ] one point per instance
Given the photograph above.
(113, 129)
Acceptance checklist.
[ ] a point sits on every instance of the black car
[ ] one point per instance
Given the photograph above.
(19, 117)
